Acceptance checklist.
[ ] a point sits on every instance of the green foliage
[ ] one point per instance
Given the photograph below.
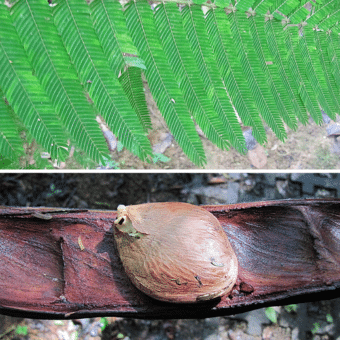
(72, 19)
(21, 330)
(104, 323)
(291, 308)
(163, 85)
(233, 79)
(329, 318)
(215, 67)
(256, 80)
(159, 157)
(271, 314)
(316, 327)
(9, 135)
(48, 58)
(24, 92)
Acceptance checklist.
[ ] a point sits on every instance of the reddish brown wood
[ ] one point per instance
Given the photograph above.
(67, 266)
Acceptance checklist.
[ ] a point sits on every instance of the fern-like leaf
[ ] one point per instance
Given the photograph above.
(140, 22)
(25, 94)
(333, 48)
(244, 5)
(263, 6)
(109, 22)
(10, 141)
(215, 65)
(213, 82)
(298, 71)
(63, 88)
(270, 71)
(289, 8)
(221, 40)
(300, 13)
(325, 71)
(324, 15)
(256, 80)
(314, 74)
(169, 23)
(131, 81)
(72, 19)
(276, 45)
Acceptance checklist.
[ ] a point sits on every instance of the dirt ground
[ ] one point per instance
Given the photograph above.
(307, 148)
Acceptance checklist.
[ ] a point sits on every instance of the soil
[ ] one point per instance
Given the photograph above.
(306, 148)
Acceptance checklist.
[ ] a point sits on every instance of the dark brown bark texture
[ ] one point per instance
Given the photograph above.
(64, 263)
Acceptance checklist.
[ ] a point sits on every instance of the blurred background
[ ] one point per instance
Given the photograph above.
(314, 320)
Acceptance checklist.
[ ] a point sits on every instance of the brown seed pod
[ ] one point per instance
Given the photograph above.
(175, 252)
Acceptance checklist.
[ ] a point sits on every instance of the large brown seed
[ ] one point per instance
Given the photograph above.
(175, 252)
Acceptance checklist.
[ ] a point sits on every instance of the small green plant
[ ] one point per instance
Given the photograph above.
(329, 318)
(159, 157)
(291, 308)
(316, 327)
(104, 323)
(112, 164)
(21, 330)
(271, 314)
(54, 191)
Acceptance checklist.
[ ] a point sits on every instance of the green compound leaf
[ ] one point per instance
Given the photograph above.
(215, 67)
(161, 80)
(72, 19)
(220, 36)
(48, 58)
(10, 141)
(257, 83)
(25, 94)
(219, 129)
